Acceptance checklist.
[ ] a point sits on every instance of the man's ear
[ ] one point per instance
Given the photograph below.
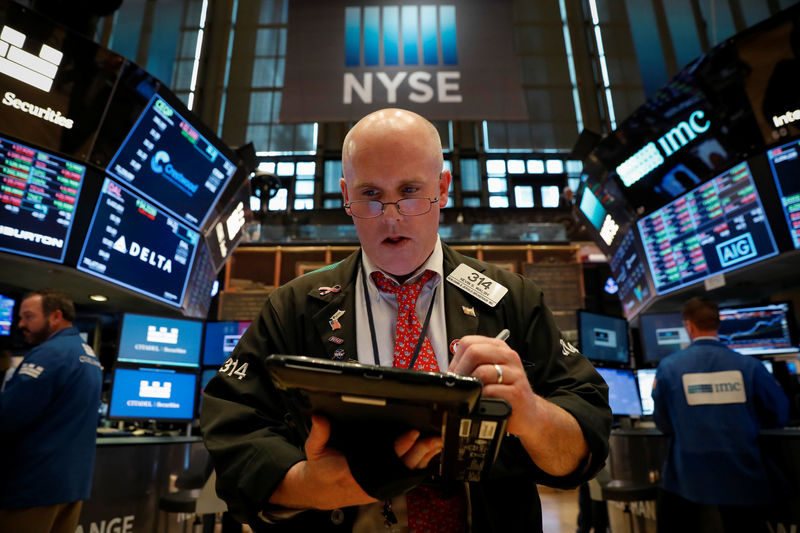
(444, 187)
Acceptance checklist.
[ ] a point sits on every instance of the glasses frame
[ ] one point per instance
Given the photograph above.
(348, 206)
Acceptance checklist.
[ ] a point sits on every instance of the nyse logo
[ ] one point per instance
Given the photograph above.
(395, 39)
(155, 389)
(736, 250)
(37, 71)
(162, 335)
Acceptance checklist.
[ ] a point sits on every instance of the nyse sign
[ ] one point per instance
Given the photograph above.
(420, 87)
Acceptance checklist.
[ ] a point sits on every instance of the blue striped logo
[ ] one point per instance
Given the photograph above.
(400, 35)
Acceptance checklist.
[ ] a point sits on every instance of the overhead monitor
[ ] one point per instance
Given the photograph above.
(6, 314)
(603, 339)
(199, 288)
(39, 193)
(758, 330)
(152, 394)
(662, 334)
(629, 269)
(228, 229)
(166, 159)
(623, 393)
(220, 340)
(134, 244)
(160, 340)
(718, 227)
(54, 83)
(645, 377)
(785, 165)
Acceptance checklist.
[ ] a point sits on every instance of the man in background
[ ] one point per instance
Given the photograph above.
(711, 402)
(361, 308)
(48, 421)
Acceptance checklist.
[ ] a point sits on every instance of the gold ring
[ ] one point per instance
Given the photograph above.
(499, 373)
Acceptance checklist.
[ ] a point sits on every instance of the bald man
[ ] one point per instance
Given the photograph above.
(394, 188)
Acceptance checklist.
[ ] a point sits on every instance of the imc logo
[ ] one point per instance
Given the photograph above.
(37, 71)
(155, 389)
(400, 35)
(401, 38)
(737, 249)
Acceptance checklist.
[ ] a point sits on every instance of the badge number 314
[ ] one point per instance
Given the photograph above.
(231, 367)
(477, 284)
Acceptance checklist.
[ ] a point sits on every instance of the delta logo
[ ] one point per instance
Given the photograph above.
(145, 254)
(387, 46)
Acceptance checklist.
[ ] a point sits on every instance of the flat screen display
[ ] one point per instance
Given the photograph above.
(54, 83)
(172, 164)
(160, 340)
(592, 208)
(220, 340)
(785, 165)
(757, 330)
(226, 232)
(135, 244)
(152, 394)
(603, 338)
(662, 334)
(717, 227)
(623, 393)
(6, 314)
(39, 193)
(629, 269)
(645, 378)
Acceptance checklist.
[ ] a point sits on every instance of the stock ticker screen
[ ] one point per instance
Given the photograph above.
(785, 166)
(757, 330)
(717, 227)
(132, 243)
(168, 161)
(630, 272)
(39, 195)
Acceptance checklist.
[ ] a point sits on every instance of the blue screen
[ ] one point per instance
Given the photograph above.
(757, 330)
(38, 196)
(645, 378)
(623, 393)
(152, 394)
(662, 334)
(603, 338)
(134, 244)
(159, 340)
(6, 314)
(630, 272)
(717, 227)
(220, 340)
(172, 164)
(591, 207)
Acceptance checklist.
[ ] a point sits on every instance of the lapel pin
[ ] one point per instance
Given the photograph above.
(334, 320)
(468, 310)
(454, 346)
(336, 340)
(338, 353)
(327, 290)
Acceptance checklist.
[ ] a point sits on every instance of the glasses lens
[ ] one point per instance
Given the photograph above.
(414, 206)
(366, 208)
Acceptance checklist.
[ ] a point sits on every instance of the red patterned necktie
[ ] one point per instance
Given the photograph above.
(408, 329)
(427, 510)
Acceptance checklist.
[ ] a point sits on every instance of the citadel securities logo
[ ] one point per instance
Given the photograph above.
(37, 71)
(390, 36)
(155, 389)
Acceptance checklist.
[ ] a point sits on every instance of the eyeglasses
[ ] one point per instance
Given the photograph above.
(407, 206)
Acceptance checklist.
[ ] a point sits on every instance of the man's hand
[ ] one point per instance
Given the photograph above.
(550, 435)
(324, 480)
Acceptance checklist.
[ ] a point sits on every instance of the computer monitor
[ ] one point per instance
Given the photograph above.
(159, 340)
(623, 394)
(6, 314)
(645, 378)
(758, 330)
(152, 394)
(220, 340)
(603, 339)
(662, 334)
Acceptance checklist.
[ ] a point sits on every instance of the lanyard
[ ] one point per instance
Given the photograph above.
(421, 339)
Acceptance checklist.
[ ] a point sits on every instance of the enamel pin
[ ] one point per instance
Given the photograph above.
(468, 310)
(327, 290)
(334, 320)
(336, 340)
(338, 354)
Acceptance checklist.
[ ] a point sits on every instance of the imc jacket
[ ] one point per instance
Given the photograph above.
(711, 402)
(48, 424)
(252, 447)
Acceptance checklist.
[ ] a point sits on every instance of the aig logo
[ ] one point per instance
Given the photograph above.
(736, 250)
(402, 38)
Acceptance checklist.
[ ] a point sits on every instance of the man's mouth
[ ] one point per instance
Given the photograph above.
(395, 240)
